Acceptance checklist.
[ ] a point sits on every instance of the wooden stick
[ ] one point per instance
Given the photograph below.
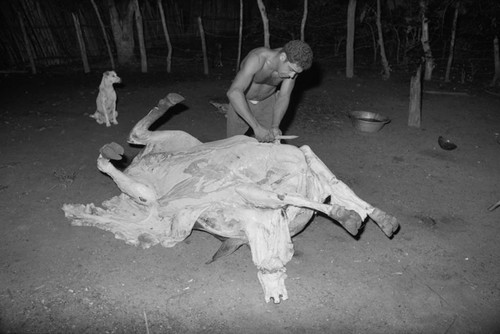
(203, 46)
(265, 22)
(496, 53)
(27, 43)
(494, 206)
(240, 37)
(81, 43)
(452, 43)
(104, 34)
(303, 23)
(167, 36)
(436, 92)
(349, 48)
(140, 36)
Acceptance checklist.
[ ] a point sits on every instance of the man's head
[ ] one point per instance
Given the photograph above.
(298, 53)
(298, 56)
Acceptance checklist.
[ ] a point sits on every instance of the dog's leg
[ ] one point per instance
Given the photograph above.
(114, 114)
(105, 112)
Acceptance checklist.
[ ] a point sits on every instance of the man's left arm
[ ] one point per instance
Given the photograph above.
(282, 102)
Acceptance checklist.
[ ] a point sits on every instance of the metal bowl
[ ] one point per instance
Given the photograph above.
(367, 121)
(446, 144)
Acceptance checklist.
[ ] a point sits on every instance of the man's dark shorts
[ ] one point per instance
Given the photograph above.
(262, 111)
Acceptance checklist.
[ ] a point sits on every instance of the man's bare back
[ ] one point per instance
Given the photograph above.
(266, 80)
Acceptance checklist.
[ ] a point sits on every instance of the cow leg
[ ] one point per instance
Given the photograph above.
(161, 141)
(259, 197)
(271, 245)
(139, 192)
(342, 195)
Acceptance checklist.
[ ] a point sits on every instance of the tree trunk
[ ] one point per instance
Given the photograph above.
(203, 46)
(167, 37)
(265, 22)
(303, 24)
(429, 61)
(240, 37)
(496, 78)
(111, 59)
(123, 32)
(452, 43)
(351, 16)
(140, 36)
(385, 63)
(81, 43)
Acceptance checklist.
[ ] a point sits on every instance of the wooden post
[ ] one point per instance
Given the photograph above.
(429, 60)
(496, 53)
(81, 43)
(203, 47)
(167, 37)
(351, 18)
(240, 38)
(28, 45)
(303, 23)
(452, 43)
(385, 63)
(110, 54)
(140, 35)
(415, 111)
(265, 22)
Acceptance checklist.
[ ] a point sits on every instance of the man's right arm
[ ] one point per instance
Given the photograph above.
(236, 95)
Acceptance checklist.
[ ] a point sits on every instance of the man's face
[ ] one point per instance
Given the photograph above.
(289, 70)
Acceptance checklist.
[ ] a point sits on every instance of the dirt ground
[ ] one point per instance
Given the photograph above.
(439, 274)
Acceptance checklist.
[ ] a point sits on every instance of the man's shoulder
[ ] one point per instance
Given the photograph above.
(264, 52)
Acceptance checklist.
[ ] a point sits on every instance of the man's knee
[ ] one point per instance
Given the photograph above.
(234, 124)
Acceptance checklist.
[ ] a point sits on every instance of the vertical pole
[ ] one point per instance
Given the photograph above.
(240, 38)
(383, 58)
(496, 53)
(349, 63)
(27, 43)
(452, 43)
(265, 22)
(203, 47)
(429, 60)
(110, 54)
(167, 37)
(303, 24)
(140, 35)
(81, 43)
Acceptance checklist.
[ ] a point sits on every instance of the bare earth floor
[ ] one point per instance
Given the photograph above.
(439, 274)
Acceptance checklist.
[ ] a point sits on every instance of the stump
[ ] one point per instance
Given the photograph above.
(415, 111)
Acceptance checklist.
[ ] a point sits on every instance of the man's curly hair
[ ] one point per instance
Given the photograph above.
(298, 52)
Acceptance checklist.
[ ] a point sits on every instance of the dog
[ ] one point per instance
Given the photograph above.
(106, 99)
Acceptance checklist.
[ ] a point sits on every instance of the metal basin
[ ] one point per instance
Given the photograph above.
(367, 121)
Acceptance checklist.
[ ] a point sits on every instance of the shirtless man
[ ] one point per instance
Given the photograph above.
(260, 93)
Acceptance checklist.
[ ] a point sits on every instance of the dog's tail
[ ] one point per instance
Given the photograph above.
(140, 134)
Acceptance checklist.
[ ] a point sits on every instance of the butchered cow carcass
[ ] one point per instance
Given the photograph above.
(240, 190)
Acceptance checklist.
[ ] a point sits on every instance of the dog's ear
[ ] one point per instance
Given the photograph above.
(106, 73)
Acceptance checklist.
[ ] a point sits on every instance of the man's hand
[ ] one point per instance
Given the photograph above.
(263, 135)
(276, 132)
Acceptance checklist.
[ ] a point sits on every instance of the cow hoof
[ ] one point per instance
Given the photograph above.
(112, 151)
(349, 219)
(387, 223)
